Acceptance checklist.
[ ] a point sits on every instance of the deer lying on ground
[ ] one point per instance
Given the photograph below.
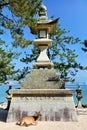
(29, 120)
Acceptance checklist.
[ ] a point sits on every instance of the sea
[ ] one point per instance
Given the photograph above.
(84, 92)
(5, 87)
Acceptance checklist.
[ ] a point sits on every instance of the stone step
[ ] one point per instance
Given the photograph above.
(82, 111)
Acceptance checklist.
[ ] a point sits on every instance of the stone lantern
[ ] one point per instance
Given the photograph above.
(43, 90)
(79, 97)
(43, 29)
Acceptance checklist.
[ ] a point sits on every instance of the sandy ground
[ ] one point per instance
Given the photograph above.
(81, 124)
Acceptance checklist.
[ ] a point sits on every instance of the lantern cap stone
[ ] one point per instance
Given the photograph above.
(44, 23)
(50, 25)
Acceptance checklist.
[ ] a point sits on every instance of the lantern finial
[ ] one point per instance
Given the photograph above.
(43, 11)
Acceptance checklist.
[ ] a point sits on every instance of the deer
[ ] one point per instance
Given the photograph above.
(29, 120)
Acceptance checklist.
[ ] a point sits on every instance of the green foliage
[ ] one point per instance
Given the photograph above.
(31, 57)
(15, 15)
(85, 46)
(21, 73)
(6, 68)
(22, 14)
(26, 9)
(63, 56)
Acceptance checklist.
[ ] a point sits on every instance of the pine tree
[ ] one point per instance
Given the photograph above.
(15, 15)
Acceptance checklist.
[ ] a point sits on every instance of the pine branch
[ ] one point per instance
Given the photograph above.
(4, 4)
(4, 16)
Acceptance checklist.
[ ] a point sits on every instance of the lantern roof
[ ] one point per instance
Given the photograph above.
(44, 23)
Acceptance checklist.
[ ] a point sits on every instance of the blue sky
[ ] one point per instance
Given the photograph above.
(73, 17)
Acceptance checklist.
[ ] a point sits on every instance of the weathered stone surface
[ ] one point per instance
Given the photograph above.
(56, 107)
(42, 79)
(40, 92)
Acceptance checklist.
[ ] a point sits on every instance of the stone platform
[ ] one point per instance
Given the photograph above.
(54, 105)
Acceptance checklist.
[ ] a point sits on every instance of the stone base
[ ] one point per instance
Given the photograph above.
(43, 64)
(42, 79)
(54, 105)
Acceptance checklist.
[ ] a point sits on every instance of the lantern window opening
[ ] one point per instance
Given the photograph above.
(43, 33)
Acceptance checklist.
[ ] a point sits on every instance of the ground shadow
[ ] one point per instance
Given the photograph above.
(84, 106)
(3, 114)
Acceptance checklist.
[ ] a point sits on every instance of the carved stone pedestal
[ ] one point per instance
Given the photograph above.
(54, 105)
(42, 91)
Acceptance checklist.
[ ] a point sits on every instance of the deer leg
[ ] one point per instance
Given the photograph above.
(34, 123)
